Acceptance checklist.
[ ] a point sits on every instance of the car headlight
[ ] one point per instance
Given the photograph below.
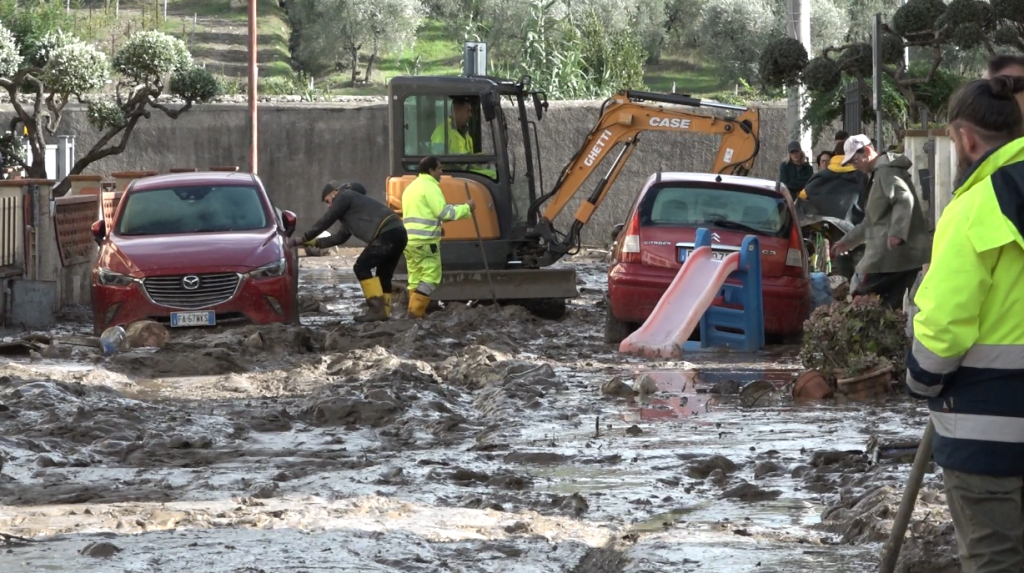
(274, 269)
(107, 277)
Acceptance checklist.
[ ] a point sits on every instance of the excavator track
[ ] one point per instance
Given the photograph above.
(541, 291)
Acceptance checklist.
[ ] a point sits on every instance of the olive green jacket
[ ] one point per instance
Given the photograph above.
(893, 208)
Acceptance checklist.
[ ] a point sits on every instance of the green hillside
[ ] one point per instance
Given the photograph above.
(217, 31)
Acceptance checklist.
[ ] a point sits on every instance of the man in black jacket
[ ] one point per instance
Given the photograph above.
(375, 224)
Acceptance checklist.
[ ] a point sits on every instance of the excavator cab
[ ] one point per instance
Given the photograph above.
(461, 121)
(489, 153)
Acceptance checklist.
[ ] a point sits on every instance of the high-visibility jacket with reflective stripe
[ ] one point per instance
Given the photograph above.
(424, 209)
(968, 351)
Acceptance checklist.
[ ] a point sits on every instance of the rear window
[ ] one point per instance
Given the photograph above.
(691, 205)
(192, 209)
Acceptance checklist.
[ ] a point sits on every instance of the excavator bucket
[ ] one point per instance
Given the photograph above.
(509, 284)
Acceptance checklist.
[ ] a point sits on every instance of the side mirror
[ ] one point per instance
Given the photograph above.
(99, 231)
(289, 220)
(489, 104)
(616, 230)
(539, 107)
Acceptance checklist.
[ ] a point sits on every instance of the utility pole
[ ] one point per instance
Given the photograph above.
(799, 27)
(253, 121)
(876, 81)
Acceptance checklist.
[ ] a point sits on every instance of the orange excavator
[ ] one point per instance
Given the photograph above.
(507, 249)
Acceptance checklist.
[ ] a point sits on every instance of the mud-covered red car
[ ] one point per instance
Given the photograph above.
(662, 226)
(195, 249)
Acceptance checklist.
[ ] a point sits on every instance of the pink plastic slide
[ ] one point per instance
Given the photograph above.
(680, 309)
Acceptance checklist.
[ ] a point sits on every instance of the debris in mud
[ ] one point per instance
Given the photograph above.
(845, 340)
(100, 550)
(617, 388)
(263, 490)
(146, 334)
(702, 468)
(746, 491)
(574, 504)
(634, 430)
(756, 392)
(644, 386)
(765, 468)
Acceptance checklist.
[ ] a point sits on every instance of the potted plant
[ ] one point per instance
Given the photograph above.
(858, 346)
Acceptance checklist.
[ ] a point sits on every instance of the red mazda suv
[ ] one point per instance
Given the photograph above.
(193, 250)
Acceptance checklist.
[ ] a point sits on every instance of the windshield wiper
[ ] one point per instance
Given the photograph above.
(725, 223)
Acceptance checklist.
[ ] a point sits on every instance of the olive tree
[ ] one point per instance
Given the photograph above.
(58, 69)
(332, 31)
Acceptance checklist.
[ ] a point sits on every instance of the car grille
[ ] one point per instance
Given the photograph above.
(213, 289)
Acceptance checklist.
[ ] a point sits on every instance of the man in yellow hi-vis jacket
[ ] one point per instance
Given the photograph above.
(967, 356)
(423, 211)
(453, 137)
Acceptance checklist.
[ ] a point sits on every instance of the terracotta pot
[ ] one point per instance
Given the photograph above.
(867, 385)
(811, 385)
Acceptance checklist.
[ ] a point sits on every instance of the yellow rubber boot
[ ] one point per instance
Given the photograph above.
(418, 304)
(387, 304)
(371, 288)
(374, 300)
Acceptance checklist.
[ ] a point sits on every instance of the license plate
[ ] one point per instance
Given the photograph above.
(715, 255)
(204, 318)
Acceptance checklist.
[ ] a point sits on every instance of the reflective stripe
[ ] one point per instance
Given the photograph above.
(998, 356)
(423, 232)
(922, 389)
(932, 362)
(978, 427)
(425, 288)
(420, 221)
(448, 213)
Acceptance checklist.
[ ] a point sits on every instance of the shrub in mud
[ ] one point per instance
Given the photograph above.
(846, 339)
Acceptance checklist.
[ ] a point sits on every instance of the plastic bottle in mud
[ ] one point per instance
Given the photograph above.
(112, 340)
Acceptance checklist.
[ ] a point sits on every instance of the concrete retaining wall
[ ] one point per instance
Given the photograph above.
(304, 145)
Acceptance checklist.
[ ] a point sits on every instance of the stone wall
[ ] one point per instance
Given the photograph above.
(304, 145)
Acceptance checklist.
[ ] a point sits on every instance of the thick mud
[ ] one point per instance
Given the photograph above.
(480, 439)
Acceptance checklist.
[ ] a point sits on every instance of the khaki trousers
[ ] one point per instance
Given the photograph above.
(989, 521)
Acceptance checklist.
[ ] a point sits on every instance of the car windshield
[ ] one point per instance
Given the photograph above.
(192, 209)
(729, 207)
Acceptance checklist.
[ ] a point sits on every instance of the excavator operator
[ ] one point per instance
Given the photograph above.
(455, 131)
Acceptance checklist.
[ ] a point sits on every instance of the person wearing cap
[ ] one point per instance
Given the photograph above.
(795, 171)
(894, 231)
(373, 223)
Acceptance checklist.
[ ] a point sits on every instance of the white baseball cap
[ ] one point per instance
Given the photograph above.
(852, 145)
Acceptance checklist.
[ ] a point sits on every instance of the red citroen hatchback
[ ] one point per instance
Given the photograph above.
(195, 249)
(661, 229)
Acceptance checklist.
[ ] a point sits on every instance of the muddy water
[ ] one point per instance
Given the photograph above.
(477, 440)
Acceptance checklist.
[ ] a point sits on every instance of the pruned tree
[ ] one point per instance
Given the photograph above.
(345, 30)
(929, 27)
(44, 77)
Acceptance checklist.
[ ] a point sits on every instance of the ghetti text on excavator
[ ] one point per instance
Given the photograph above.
(481, 130)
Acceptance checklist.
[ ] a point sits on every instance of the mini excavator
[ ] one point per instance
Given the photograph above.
(514, 239)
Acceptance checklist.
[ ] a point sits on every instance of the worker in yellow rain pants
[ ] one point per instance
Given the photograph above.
(423, 211)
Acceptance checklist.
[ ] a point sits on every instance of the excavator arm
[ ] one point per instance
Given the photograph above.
(623, 118)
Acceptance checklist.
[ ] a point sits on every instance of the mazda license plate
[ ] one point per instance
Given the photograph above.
(204, 318)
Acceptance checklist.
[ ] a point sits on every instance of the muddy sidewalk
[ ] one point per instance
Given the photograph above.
(480, 439)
